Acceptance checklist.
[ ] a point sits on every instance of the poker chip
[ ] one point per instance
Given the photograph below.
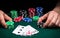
(39, 11)
(35, 18)
(14, 14)
(18, 19)
(31, 12)
(40, 25)
(23, 13)
(10, 24)
(27, 19)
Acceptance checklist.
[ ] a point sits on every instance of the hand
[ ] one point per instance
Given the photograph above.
(4, 17)
(53, 19)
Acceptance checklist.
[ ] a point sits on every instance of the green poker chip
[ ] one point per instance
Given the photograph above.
(14, 13)
(35, 18)
(10, 24)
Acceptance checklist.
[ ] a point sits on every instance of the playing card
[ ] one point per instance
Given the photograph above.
(18, 30)
(28, 30)
(25, 30)
(33, 30)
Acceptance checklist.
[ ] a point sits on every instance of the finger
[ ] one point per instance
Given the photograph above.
(58, 21)
(7, 17)
(2, 20)
(48, 20)
(59, 24)
(42, 18)
(54, 20)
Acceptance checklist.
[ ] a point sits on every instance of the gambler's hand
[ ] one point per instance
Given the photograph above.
(53, 19)
(4, 17)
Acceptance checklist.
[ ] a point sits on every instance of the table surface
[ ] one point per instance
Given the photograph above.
(43, 33)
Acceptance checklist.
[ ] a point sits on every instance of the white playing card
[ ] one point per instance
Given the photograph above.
(28, 30)
(33, 30)
(18, 30)
(25, 30)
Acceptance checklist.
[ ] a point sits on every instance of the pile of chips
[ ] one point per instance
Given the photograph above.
(26, 16)
(32, 13)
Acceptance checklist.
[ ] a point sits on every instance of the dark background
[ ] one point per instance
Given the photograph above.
(7, 5)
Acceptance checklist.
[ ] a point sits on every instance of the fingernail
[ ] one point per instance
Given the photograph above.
(10, 19)
(5, 26)
(44, 25)
(59, 25)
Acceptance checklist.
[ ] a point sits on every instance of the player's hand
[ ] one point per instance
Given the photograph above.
(53, 19)
(4, 17)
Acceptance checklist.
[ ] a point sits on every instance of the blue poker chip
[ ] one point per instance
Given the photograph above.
(39, 9)
(27, 19)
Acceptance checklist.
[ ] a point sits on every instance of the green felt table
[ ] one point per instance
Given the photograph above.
(43, 33)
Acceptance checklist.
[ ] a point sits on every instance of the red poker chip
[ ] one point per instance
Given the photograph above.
(31, 10)
(18, 19)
